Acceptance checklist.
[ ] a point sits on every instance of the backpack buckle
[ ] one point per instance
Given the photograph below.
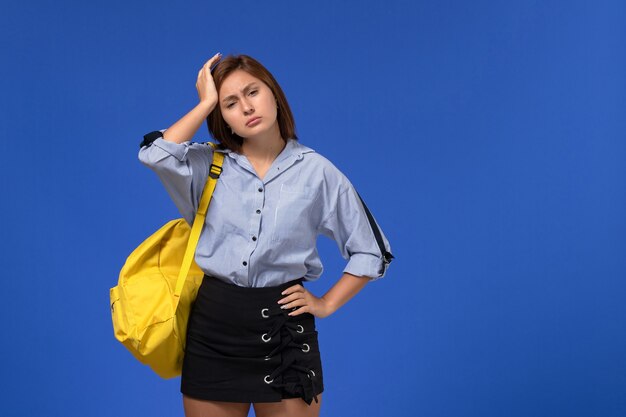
(215, 171)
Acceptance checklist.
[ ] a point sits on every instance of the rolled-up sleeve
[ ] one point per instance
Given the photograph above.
(183, 169)
(348, 225)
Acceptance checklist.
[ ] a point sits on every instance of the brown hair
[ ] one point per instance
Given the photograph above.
(215, 121)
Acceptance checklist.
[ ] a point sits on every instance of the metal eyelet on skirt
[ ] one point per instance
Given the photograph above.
(307, 347)
(300, 329)
(264, 312)
(266, 379)
(264, 339)
(267, 358)
(310, 373)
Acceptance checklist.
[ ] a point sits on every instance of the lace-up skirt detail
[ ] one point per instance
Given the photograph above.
(242, 347)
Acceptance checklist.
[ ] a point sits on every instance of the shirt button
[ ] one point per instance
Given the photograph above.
(245, 263)
(254, 238)
(258, 211)
(260, 189)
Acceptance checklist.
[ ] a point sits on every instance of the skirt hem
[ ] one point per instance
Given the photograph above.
(227, 396)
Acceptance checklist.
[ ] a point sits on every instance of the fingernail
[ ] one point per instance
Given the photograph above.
(283, 307)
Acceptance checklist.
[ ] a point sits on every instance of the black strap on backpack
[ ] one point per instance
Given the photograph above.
(148, 138)
(387, 256)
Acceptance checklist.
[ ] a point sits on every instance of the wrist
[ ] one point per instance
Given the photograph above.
(207, 106)
(329, 306)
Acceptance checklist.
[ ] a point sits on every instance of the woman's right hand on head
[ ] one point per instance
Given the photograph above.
(205, 84)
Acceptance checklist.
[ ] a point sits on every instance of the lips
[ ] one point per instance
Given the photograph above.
(252, 120)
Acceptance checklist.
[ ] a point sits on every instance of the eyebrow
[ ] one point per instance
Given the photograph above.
(245, 89)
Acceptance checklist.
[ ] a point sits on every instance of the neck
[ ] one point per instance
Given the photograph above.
(264, 147)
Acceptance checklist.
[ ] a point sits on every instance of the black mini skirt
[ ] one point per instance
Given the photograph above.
(242, 347)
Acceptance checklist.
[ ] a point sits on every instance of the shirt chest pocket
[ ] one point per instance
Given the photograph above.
(293, 216)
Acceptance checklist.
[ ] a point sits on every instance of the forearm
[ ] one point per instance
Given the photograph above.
(184, 129)
(343, 290)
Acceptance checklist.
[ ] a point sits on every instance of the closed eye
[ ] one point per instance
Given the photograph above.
(231, 104)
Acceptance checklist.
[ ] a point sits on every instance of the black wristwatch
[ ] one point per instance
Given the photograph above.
(150, 137)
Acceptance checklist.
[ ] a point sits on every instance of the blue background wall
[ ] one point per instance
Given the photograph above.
(488, 138)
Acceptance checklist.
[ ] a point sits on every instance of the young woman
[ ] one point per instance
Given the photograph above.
(251, 337)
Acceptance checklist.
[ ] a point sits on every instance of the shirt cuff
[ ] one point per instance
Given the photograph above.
(177, 150)
(363, 264)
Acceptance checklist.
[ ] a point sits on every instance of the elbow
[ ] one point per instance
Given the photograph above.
(148, 157)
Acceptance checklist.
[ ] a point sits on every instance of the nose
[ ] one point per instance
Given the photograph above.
(247, 107)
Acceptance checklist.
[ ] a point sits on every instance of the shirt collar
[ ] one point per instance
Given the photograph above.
(293, 148)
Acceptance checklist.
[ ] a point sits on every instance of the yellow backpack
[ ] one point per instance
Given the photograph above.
(157, 286)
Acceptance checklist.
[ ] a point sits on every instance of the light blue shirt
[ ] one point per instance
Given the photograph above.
(263, 232)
